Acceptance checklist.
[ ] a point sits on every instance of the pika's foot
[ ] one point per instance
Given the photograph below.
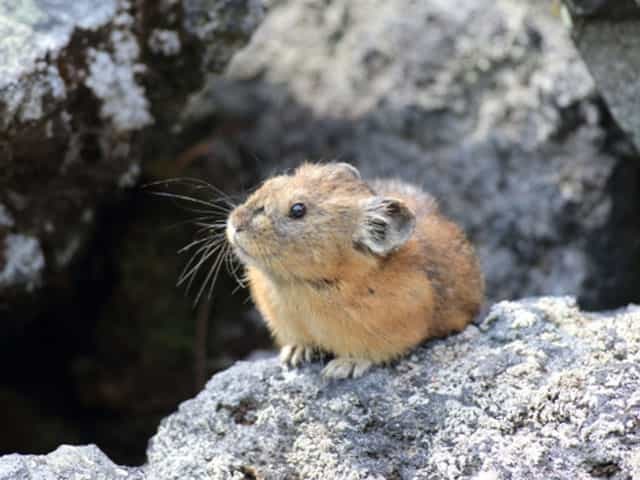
(343, 367)
(296, 355)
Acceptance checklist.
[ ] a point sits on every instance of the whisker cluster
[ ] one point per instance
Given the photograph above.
(209, 247)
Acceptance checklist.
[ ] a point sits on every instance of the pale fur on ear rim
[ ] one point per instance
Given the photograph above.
(385, 226)
(347, 168)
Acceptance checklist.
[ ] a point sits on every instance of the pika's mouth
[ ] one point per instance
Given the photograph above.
(239, 249)
(232, 237)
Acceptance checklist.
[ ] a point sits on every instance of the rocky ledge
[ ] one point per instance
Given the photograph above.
(536, 390)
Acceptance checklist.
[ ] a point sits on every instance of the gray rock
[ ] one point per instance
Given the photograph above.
(611, 9)
(607, 36)
(24, 263)
(82, 109)
(66, 463)
(487, 104)
(538, 390)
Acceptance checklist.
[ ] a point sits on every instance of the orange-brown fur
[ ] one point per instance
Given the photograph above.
(316, 288)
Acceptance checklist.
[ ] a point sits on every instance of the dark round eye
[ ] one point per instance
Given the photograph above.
(297, 210)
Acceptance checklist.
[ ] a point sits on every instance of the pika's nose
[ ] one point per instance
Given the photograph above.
(243, 217)
(239, 220)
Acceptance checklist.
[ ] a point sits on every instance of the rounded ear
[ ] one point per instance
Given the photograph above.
(385, 225)
(343, 168)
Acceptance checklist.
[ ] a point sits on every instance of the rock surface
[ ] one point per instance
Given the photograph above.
(81, 85)
(487, 104)
(606, 33)
(538, 390)
(90, 95)
(66, 463)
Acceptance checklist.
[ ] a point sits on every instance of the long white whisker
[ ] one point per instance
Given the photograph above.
(190, 262)
(213, 206)
(193, 277)
(193, 244)
(232, 268)
(211, 226)
(218, 268)
(208, 277)
(195, 181)
(208, 251)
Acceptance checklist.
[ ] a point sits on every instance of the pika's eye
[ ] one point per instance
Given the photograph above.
(297, 210)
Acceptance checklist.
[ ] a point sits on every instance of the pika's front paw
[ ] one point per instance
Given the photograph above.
(296, 355)
(342, 367)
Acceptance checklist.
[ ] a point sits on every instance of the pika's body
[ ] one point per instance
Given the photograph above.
(365, 271)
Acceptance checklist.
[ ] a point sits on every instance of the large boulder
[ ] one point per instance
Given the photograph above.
(538, 390)
(485, 103)
(88, 91)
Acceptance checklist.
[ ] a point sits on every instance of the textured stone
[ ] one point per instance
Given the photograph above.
(537, 390)
(608, 41)
(613, 9)
(82, 108)
(77, 463)
(31, 31)
(24, 262)
(90, 93)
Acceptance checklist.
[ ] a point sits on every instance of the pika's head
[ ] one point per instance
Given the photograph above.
(304, 224)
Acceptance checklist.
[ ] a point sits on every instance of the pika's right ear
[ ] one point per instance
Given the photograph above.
(386, 224)
(346, 169)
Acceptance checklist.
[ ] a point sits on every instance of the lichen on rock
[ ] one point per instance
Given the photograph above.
(23, 263)
(164, 42)
(538, 390)
(111, 78)
(30, 31)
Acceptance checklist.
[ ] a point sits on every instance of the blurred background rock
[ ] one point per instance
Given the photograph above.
(486, 104)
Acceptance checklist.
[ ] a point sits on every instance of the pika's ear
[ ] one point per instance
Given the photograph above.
(346, 169)
(386, 224)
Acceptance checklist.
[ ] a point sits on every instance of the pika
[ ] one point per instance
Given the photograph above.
(365, 271)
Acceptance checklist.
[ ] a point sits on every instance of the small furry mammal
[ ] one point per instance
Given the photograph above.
(365, 271)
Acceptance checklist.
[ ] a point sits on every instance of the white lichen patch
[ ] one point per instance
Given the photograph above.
(123, 100)
(30, 32)
(6, 219)
(31, 104)
(30, 29)
(23, 262)
(164, 42)
(129, 178)
(112, 78)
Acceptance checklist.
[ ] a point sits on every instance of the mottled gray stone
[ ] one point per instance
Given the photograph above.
(68, 463)
(614, 9)
(31, 30)
(212, 20)
(79, 115)
(24, 262)
(537, 390)
(485, 103)
(609, 43)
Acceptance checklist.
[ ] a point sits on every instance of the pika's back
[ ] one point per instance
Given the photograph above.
(441, 250)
